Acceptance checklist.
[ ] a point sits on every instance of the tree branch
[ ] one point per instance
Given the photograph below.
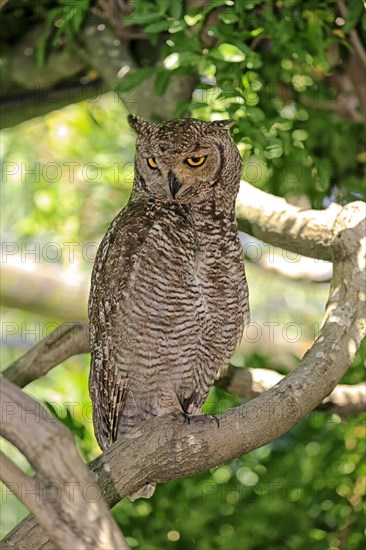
(274, 259)
(271, 217)
(62, 488)
(250, 383)
(320, 234)
(66, 341)
(41, 289)
(311, 233)
(173, 449)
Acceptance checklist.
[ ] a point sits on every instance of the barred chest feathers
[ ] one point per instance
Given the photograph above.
(169, 298)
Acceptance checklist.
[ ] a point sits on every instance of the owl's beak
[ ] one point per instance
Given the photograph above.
(174, 184)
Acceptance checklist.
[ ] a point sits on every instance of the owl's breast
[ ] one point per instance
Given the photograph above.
(220, 275)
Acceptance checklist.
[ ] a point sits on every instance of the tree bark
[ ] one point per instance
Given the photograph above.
(63, 495)
(250, 383)
(174, 449)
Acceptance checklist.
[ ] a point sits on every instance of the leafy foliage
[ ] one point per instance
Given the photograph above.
(268, 67)
(302, 491)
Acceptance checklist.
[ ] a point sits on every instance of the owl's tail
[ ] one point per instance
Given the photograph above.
(146, 491)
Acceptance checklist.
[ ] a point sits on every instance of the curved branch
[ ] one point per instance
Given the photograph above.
(320, 234)
(173, 449)
(62, 488)
(250, 383)
(67, 340)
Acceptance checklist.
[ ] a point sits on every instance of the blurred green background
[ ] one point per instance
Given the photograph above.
(277, 69)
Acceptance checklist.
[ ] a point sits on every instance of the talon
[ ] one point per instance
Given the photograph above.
(213, 417)
(189, 418)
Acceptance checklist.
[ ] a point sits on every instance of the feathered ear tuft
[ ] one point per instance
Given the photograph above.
(228, 123)
(137, 123)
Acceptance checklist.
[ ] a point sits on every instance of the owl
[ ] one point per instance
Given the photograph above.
(169, 298)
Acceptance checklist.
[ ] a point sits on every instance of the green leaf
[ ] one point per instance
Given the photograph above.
(42, 43)
(136, 18)
(273, 151)
(164, 5)
(175, 9)
(354, 11)
(159, 26)
(172, 61)
(161, 82)
(228, 52)
(191, 20)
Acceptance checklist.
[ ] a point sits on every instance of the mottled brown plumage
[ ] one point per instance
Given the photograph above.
(169, 298)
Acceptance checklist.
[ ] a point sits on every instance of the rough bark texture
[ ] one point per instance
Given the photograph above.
(250, 383)
(320, 234)
(66, 341)
(174, 449)
(58, 492)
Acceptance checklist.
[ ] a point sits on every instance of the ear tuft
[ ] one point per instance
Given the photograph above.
(137, 123)
(228, 123)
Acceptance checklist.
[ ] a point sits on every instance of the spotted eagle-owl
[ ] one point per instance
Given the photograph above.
(168, 298)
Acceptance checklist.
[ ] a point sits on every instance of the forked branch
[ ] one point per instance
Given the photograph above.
(173, 449)
(63, 495)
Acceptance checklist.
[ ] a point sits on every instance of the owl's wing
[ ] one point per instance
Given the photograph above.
(107, 396)
(116, 255)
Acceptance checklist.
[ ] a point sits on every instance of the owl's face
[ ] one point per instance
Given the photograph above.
(182, 159)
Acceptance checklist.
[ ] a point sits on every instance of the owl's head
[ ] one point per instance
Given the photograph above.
(184, 159)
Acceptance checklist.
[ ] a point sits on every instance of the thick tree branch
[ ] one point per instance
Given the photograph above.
(173, 449)
(62, 488)
(250, 383)
(66, 341)
(320, 234)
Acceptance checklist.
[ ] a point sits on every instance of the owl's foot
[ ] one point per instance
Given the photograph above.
(196, 417)
(203, 418)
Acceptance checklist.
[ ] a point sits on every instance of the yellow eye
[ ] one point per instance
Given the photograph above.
(151, 162)
(195, 161)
